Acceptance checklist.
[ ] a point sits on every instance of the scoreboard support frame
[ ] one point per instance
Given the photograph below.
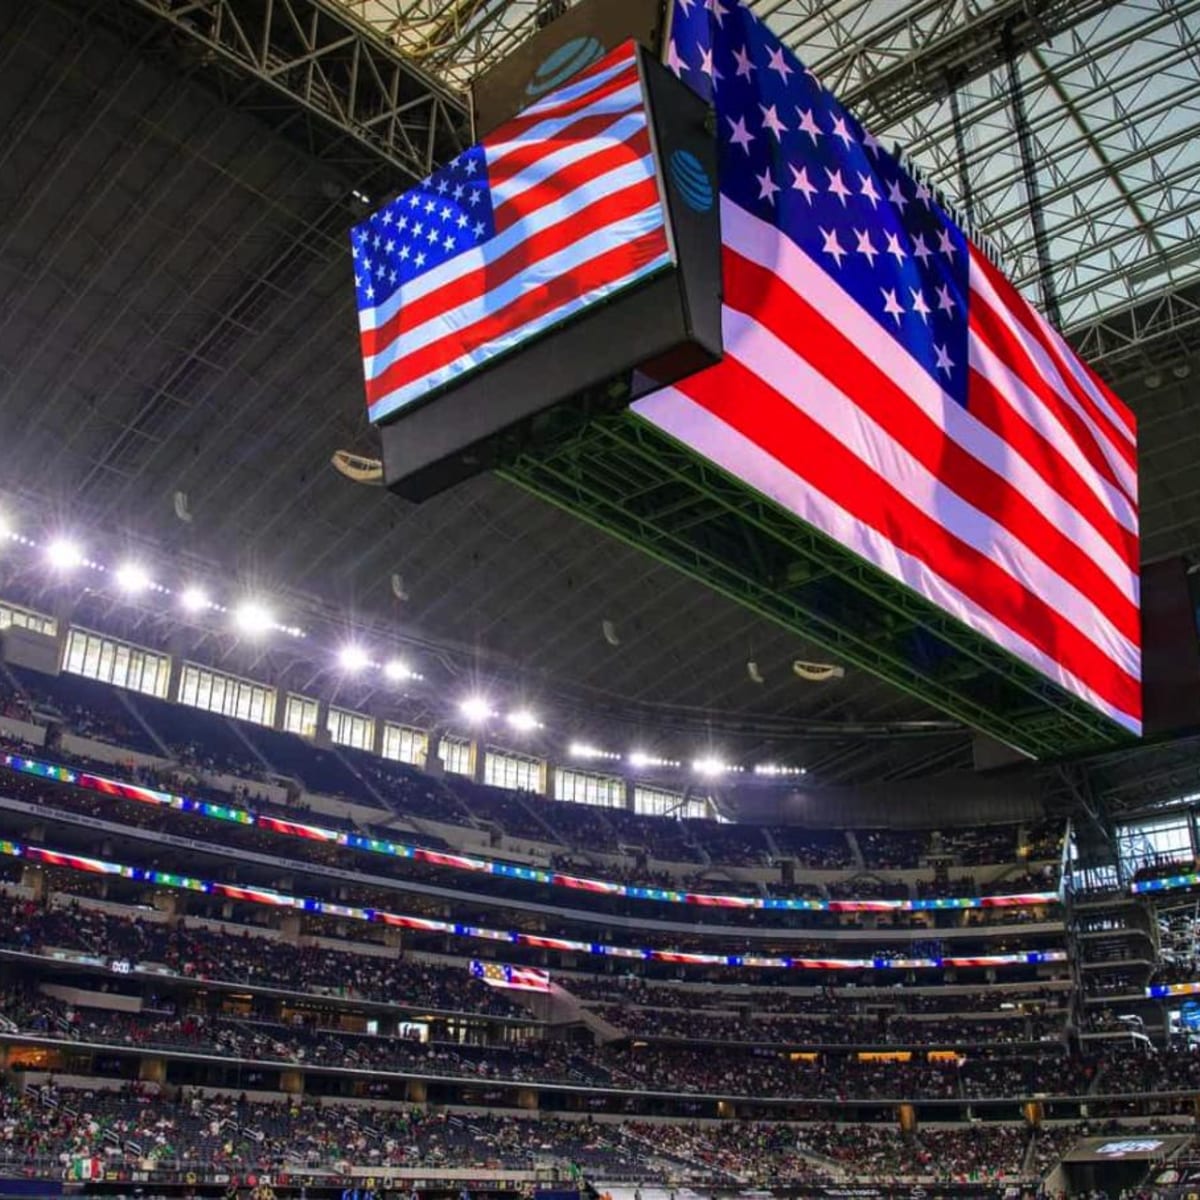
(622, 475)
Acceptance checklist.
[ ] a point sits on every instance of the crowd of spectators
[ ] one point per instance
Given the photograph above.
(817, 849)
(964, 1155)
(846, 1027)
(1129, 1065)
(892, 849)
(262, 1041)
(247, 957)
(204, 742)
(689, 1068)
(256, 838)
(835, 1003)
(138, 1125)
(719, 1070)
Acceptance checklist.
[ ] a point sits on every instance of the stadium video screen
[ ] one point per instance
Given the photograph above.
(884, 382)
(556, 211)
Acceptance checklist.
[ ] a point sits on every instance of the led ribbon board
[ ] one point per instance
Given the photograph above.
(45, 856)
(118, 789)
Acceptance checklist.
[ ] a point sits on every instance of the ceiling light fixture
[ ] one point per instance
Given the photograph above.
(63, 554)
(194, 599)
(132, 578)
(253, 618)
(476, 709)
(353, 659)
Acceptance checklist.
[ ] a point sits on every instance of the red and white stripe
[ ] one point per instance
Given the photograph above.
(1017, 515)
(578, 216)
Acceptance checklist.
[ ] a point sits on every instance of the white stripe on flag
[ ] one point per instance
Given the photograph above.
(511, 339)
(480, 256)
(694, 426)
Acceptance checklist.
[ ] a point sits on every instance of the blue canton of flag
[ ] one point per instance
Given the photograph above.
(447, 213)
(793, 156)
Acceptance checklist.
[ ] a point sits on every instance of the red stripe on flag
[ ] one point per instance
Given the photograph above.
(740, 398)
(604, 210)
(752, 289)
(595, 273)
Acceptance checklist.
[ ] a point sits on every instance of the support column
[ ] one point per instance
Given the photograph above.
(291, 1082)
(152, 1070)
(1041, 245)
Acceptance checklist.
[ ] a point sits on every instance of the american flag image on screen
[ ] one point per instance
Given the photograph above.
(556, 210)
(510, 978)
(883, 381)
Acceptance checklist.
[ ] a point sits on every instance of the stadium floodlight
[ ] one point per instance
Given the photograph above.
(352, 658)
(63, 554)
(253, 618)
(709, 767)
(476, 709)
(639, 758)
(194, 599)
(523, 720)
(6, 528)
(132, 577)
(397, 670)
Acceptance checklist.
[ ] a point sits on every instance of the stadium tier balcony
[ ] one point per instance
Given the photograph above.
(249, 958)
(89, 709)
(206, 742)
(820, 849)
(264, 835)
(843, 1026)
(201, 740)
(135, 1125)
(892, 848)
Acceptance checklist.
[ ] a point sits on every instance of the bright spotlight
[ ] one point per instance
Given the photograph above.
(476, 709)
(132, 578)
(252, 618)
(523, 720)
(639, 758)
(709, 767)
(397, 671)
(63, 554)
(6, 528)
(353, 658)
(194, 599)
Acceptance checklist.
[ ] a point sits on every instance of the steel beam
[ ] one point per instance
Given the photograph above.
(366, 108)
(888, 61)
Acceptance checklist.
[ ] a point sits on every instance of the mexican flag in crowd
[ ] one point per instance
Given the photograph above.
(85, 1167)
